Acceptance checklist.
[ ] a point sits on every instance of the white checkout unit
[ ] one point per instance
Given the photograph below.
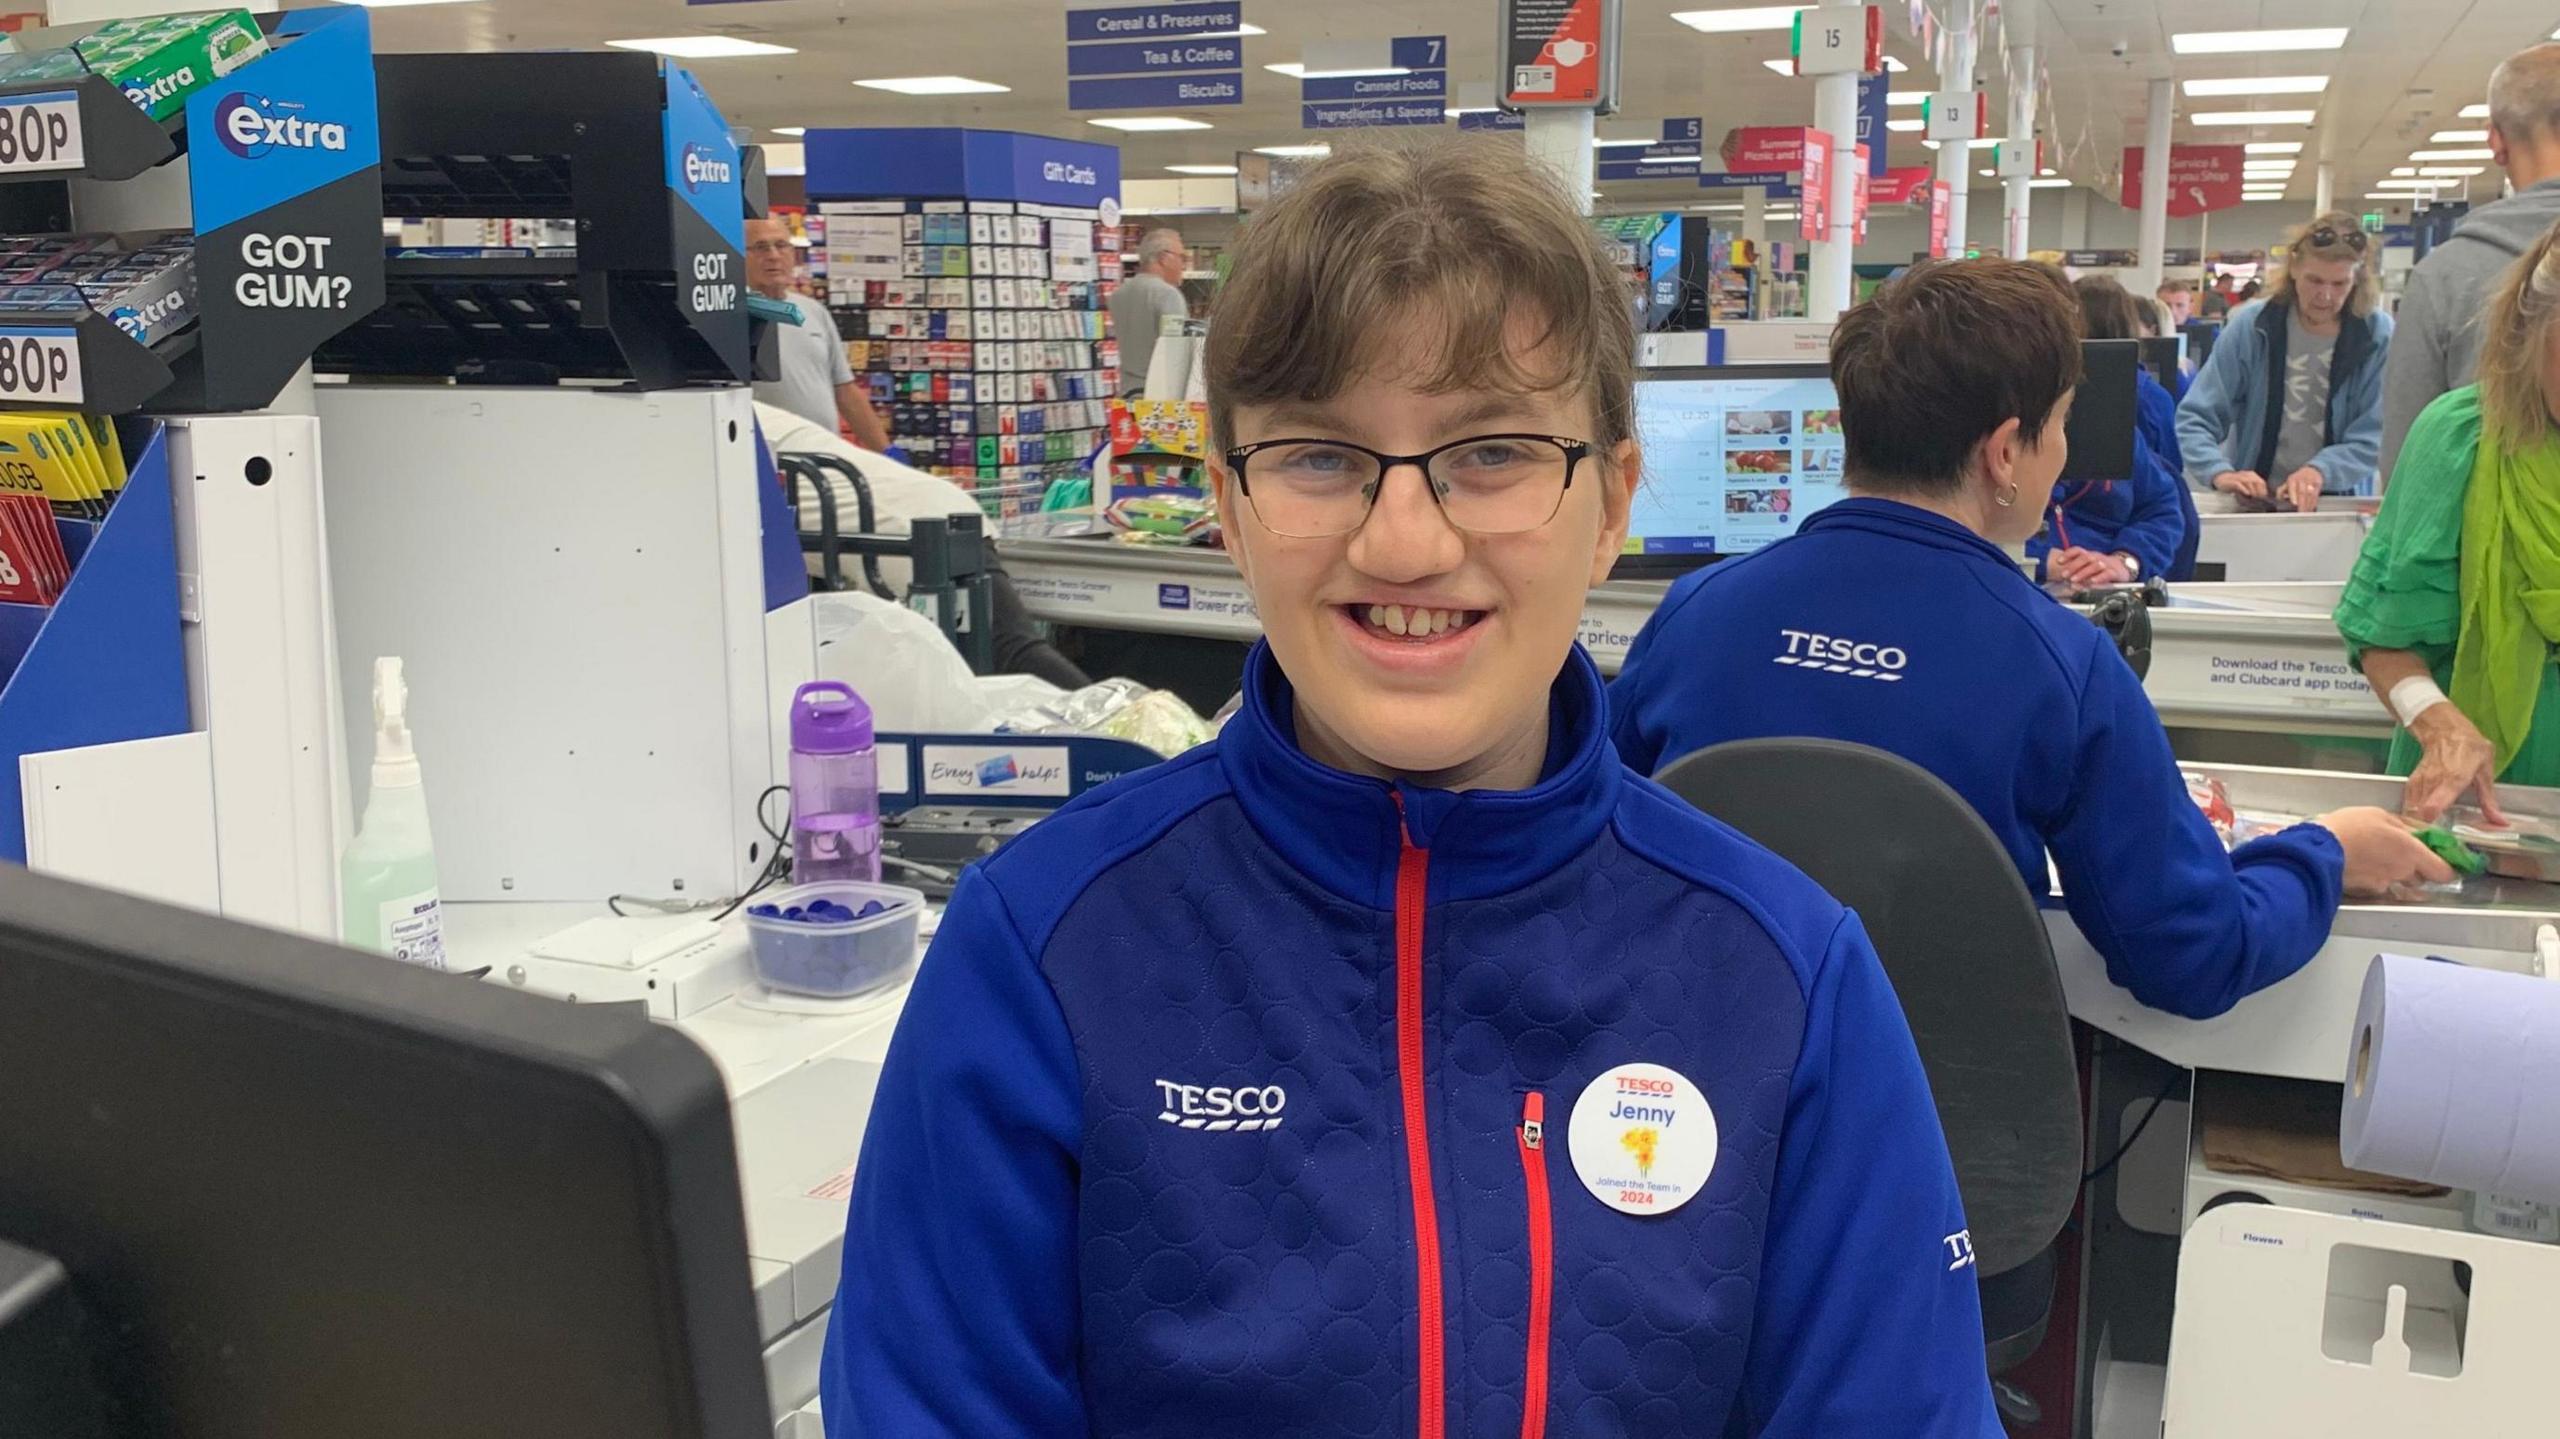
(2255, 656)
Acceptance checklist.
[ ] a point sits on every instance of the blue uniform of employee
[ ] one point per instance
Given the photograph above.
(2147, 514)
(1886, 625)
(1234, 1099)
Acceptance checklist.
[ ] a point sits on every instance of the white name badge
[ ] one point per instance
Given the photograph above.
(1642, 1138)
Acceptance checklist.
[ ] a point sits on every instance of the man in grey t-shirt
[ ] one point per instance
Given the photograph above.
(816, 381)
(1139, 307)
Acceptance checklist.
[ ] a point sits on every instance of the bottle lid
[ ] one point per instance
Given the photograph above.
(827, 717)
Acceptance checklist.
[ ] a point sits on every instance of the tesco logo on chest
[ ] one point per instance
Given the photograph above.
(701, 168)
(1219, 1107)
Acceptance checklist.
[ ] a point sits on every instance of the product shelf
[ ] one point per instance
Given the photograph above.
(279, 247)
(625, 148)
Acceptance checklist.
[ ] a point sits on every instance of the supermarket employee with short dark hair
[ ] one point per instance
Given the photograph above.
(1894, 619)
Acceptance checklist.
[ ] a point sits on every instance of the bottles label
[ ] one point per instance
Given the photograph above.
(413, 929)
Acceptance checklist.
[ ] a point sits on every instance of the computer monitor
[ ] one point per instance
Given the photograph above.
(2103, 412)
(303, 1193)
(2162, 355)
(1735, 457)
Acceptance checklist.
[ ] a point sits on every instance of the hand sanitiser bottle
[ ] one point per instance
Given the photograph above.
(387, 879)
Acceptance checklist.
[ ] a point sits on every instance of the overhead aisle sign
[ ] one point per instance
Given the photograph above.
(2202, 178)
(1169, 56)
(1560, 54)
(1676, 157)
(1417, 96)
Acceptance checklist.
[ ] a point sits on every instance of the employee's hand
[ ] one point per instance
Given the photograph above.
(2247, 484)
(2087, 569)
(2381, 852)
(2301, 490)
(2455, 757)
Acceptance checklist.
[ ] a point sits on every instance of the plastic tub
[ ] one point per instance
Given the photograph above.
(836, 960)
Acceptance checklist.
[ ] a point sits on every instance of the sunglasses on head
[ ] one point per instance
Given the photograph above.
(2328, 235)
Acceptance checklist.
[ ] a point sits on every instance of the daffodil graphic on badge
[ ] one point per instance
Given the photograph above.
(1641, 1142)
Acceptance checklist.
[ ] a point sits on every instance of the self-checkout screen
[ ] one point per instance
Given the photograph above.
(1734, 458)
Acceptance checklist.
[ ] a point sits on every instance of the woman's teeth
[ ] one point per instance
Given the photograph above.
(1418, 623)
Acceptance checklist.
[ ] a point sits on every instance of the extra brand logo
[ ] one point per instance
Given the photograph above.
(139, 322)
(1830, 654)
(1216, 1108)
(252, 125)
(702, 167)
(146, 96)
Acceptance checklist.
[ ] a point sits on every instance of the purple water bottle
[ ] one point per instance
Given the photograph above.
(835, 786)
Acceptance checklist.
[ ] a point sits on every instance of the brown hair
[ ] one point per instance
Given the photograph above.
(1452, 234)
(2514, 336)
(2106, 309)
(2366, 296)
(1941, 358)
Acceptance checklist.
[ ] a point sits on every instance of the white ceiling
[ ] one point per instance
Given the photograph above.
(2407, 68)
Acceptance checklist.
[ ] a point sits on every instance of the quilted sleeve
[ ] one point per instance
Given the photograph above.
(956, 1314)
(1870, 1318)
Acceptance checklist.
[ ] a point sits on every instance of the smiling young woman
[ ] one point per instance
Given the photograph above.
(1226, 1102)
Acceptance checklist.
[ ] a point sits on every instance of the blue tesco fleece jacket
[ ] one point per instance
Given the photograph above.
(1886, 625)
(2148, 514)
(2232, 413)
(1216, 1110)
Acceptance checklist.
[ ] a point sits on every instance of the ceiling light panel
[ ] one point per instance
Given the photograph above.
(2253, 117)
(2242, 42)
(1738, 21)
(2422, 156)
(2273, 147)
(1202, 169)
(1148, 124)
(2262, 85)
(934, 85)
(2459, 137)
(702, 47)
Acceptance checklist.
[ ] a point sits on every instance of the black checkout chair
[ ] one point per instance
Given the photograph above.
(1966, 950)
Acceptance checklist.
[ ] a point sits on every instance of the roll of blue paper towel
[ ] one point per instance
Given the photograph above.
(2453, 1076)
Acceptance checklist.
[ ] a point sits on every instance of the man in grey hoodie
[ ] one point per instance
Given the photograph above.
(2438, 340)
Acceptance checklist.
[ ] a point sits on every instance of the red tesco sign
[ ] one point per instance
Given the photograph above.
(2202, 178)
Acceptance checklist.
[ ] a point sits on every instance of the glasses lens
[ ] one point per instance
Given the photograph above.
(1308, 489)
(1501, 484)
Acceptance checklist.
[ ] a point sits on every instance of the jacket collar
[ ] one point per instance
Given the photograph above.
(1345, 832)
(1896, 520)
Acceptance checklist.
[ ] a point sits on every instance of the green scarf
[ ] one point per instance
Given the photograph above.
(2510, 588)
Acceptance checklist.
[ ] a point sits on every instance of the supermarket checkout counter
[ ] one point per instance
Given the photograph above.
(2160, 1242)
(800, 1076)
(2257, 657)
(2258, 548)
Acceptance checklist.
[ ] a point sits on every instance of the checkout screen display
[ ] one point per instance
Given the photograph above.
(1733, 460)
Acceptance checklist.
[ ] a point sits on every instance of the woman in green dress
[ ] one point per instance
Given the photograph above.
(2454, 605)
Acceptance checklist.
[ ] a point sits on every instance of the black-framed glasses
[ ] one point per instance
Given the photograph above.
(1311, 489)
(2328, 235)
